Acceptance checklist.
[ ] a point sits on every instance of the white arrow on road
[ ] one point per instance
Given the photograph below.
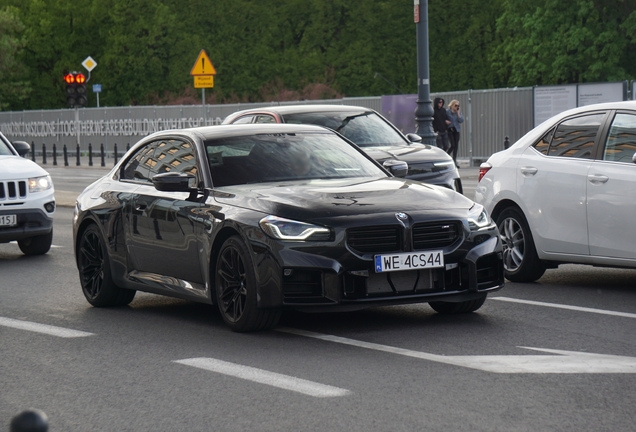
(563, 362)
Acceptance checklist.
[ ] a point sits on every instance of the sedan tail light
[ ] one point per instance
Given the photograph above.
(483, 169)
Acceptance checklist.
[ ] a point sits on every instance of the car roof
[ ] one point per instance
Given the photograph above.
(305, 108)
(222, 131)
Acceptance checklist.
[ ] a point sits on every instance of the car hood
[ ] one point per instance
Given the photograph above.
(413, 153)
(320, 199)
(17, 168)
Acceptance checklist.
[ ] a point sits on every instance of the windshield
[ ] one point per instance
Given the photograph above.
(366, 129)
(285, 156)
(4, 148)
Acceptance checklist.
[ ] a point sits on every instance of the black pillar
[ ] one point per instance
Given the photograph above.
(424, 110)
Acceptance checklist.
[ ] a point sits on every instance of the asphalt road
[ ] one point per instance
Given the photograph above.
(163, 364)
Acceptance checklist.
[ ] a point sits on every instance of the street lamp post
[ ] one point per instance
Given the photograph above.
(424, 110)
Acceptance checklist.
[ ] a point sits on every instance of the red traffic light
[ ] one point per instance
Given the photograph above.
(80, 78)
(69, 78)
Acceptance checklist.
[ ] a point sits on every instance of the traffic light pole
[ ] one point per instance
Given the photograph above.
(77, 125)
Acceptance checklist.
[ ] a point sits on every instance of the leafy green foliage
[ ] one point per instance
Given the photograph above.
(269, 50)
(13, 87)
(555, 42)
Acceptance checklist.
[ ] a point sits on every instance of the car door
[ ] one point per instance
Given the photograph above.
(162, 232)
(552, 184)
(611, 192)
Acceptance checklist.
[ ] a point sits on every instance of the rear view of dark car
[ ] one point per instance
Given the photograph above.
(370, 131)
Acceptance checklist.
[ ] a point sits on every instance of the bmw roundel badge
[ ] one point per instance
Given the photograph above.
(401, 216)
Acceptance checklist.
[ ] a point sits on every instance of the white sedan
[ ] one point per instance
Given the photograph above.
(566, 192)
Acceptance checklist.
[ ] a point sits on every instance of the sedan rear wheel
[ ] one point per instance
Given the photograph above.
(521, 262)
(94, 269)
(236, 290)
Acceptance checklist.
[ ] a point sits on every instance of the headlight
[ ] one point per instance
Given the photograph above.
(286, 229)
(477, 217)
(443, 166)
(39, 184)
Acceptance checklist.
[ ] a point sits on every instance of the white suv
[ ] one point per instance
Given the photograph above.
(27, 203)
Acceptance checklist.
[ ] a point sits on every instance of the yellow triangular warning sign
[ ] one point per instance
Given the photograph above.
(203, 65)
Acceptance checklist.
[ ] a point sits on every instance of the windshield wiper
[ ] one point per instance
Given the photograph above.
(347, 119)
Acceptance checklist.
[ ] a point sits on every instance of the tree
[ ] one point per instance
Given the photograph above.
(14, 87)
(556, 42)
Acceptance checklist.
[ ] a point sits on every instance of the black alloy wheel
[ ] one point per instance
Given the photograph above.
(94, 269)
(521, 262)
(236, 290)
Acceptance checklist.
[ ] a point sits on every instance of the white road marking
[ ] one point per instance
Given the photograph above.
(53, 246)
(564, 362)
(561, 306)
(42, 328)
(261, 376)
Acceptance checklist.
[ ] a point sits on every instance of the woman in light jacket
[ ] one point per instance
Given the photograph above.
(456, 119)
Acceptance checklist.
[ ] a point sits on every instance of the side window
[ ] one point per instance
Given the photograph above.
(265, 119)
(621, 140)
(243, 120)
(544, 143)
(575, 137)
(175, 156)
(140, 165)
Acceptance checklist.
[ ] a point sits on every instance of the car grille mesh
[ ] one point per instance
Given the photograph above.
(12, 189)
(434, 235)
(375, 239)
(388, 238)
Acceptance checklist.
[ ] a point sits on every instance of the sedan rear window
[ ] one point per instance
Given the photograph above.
(575, 137)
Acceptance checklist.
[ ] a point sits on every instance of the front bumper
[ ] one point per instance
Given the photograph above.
(30, 223)
(307, 281)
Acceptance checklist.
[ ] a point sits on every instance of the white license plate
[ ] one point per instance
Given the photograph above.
(8, 220)
(409, 261)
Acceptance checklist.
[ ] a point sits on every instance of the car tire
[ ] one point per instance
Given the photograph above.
(459, 307)
(235, 283)
(94, 271)
(38, 245)
(521, 262)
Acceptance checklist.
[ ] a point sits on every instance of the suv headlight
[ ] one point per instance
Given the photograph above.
(39, 184)
(287, 229)
(477, 217)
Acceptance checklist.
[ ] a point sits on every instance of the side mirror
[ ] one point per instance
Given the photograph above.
(22, 147)
(634, 158)
(414, 137)
(396, 167)
(175, 182)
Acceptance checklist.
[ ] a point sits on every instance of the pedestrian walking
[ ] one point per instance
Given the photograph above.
(440, 124)
(456, 118)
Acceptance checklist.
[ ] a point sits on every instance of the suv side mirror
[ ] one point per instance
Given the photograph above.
(22, 147)
(396, 167)
(175, 182)
(634, 158)
(414, 137)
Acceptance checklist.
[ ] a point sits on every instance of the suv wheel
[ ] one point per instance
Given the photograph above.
(37, 245)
